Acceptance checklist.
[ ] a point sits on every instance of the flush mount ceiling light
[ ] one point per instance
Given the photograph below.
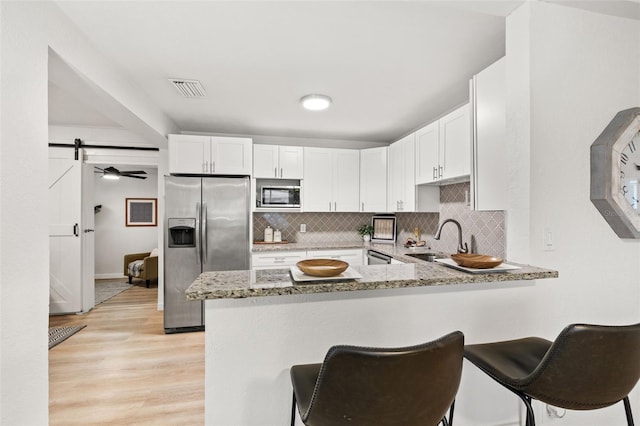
(315, 102)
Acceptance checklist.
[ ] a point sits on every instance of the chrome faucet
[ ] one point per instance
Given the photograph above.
(461, 248)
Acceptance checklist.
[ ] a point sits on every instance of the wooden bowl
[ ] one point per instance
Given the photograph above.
(478, 261)
(322, 267)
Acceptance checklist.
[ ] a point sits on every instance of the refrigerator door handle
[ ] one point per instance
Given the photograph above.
(205, 254)
(198, 234)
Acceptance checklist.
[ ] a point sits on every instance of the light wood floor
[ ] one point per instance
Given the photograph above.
(123, 370)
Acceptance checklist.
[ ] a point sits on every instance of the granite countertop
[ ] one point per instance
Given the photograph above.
(414, 273)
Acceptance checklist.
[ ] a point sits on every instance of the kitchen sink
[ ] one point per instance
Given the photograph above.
(427, 257)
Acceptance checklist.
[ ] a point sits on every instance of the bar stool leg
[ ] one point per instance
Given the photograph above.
(531, 420)
(627, 410)
(293, 410)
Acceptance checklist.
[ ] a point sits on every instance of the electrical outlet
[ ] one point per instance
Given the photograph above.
(303, 227)
(555, 413)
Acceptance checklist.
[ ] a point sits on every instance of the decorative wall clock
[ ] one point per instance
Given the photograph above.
(615, 173)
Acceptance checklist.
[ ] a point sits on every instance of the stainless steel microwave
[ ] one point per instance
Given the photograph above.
(279, 196)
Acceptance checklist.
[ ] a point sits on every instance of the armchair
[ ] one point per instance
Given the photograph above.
(142, 265)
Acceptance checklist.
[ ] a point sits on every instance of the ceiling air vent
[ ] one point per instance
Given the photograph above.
(188, 88)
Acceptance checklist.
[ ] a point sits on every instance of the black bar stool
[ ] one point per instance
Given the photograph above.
(587, 367)
(360, 386)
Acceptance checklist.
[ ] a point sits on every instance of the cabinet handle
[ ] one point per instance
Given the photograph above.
(205, 165)
(435, 173)
(441, 169)
(335, 206)
(363, 206)
(329, 205)
(279, 260)
(280, 171)
(275, 172)
(213, 167)
(398, 205)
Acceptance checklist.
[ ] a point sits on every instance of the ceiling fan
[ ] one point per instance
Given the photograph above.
(113, 173)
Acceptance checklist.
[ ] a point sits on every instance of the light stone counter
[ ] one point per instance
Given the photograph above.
(278, 282)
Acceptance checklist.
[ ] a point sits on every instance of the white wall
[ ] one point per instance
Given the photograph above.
(27, 30)
(113, 238)
(573, 70)
(23, 249)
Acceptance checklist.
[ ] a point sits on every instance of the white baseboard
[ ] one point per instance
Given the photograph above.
(160, 306)
(109, 276)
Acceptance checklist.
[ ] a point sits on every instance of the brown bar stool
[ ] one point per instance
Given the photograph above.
(587, 367)
(361, 386)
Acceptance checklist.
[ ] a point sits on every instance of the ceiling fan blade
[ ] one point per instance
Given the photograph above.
(123, 174)
(126, 173)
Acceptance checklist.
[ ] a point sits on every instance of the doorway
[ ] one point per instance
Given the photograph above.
(114, 237)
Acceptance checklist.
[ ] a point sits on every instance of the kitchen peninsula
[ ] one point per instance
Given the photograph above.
(260, 323)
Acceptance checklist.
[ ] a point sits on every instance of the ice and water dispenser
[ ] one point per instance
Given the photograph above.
(182, 232)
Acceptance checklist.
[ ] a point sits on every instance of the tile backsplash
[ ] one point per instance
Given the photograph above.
(484, 232)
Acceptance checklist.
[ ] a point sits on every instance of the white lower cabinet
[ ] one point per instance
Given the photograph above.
(351, 256)
(276, 259)
(284, 259)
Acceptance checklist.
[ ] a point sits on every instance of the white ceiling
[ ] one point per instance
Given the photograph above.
(390, 66)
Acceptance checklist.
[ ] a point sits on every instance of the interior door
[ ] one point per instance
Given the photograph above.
(88, 238)
(65, 243)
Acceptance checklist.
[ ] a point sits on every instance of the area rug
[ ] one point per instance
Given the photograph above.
(58, 335)
(106, 289)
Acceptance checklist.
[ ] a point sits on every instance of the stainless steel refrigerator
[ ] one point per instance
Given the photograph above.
(206, 229)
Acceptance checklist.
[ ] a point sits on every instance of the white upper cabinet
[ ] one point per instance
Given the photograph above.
(189, 154)
(317, 191)
(331, 180)
(277, 162)
(443, 148)
(231, 155)
(488, 100)
(455, 143)
(346, 182)
(402, 184)
(427, 153)
(373, 179)
(209, 155)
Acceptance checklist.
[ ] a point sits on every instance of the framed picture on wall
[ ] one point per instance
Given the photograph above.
(141, 211)
(384, 229)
